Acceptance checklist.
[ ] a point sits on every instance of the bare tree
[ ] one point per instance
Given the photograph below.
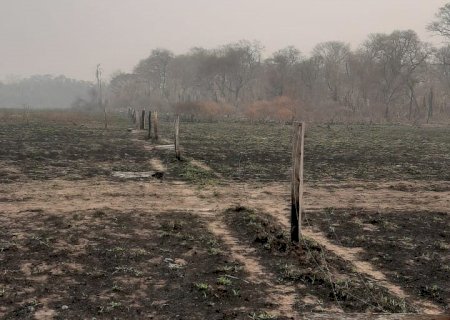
(101, 104)
(280, 69)
(332, 57)
(442, 24)
(397, 57)
(154, 70)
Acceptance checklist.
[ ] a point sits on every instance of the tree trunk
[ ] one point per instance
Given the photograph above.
(386, 112)
(430, 105)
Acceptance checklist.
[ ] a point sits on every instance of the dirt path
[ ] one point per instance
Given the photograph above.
(381, 196)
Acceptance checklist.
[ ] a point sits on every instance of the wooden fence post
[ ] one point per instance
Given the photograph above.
(105, 104)
(137, 120)
(155, 124)
(177, 139)
(142, 126)
(297, 181)
(149, 124)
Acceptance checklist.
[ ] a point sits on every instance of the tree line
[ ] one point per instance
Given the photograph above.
(392, 77)
(44, 91)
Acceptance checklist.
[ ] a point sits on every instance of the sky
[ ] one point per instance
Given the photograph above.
(71, 37)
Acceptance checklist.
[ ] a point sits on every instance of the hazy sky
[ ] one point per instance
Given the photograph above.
(71, 36)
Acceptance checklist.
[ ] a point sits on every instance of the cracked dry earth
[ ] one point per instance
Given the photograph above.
(97, 208)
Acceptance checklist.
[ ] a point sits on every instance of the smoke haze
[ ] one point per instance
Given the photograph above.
(71, 37)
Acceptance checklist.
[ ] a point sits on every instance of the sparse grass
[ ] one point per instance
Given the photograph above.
(229, 268)
(401, 244)
(317, 268)
(441, 245)
(116, 288)
(261, 316)
(127, 270)
(433, 291)
(42, 240)
(109, 307)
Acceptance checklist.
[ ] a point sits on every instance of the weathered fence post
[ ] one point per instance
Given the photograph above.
(177, 139)
(155, 124)
(149, 124)
(137, 120)
(142, 126)
(297, 181)
(27, 113)
(105, 104)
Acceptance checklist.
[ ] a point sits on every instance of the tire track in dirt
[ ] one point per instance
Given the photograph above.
(205, 167)
(282, 296)
(348, 254)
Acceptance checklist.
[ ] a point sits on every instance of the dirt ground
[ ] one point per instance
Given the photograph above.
(79, 242)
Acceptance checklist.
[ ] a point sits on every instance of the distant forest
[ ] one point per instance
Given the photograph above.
(44, 91)
(390, 78)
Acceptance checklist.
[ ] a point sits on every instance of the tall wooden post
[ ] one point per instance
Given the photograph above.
(155, 124)
(142, 126)
(177, 140)
(297, 181)
(149, 124)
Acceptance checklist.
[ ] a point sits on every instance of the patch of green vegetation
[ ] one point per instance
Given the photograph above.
(202, 286)
(197, 175)
(224, 281)
(214, 251)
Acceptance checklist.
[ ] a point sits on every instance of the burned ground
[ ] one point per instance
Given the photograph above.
(208, 240)
(410, 247)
